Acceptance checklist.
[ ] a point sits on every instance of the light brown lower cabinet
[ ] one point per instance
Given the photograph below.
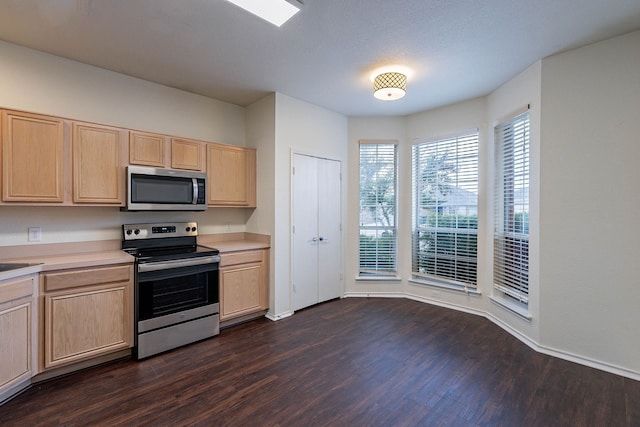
(244, 284)
(86, 313)
(17, 352)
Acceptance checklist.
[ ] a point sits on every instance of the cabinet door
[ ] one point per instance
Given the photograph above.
(147, 149)
(15, 345)
(83, 321)
(16, 334)
(97, 167)
(186, 154)
(32, 151)
(241, 290)
(232, 176)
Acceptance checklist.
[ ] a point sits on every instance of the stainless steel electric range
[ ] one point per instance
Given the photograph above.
(176, 286)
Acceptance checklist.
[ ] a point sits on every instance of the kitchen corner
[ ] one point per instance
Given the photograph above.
(93, 283)
(244, 274)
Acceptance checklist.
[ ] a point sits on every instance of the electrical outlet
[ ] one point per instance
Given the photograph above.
(35, 234)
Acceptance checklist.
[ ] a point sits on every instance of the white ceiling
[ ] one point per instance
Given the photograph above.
(325, 54)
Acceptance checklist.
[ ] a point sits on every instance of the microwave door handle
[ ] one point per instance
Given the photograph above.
(194, 181)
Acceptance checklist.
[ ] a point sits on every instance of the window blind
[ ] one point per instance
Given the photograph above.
(445, 209)
(378, 180)
(511, 232)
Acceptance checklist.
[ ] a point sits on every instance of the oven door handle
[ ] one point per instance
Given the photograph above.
(178, 263)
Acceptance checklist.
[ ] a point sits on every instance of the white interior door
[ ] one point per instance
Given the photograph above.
(305, 231)
(316, 253)
(329, 233)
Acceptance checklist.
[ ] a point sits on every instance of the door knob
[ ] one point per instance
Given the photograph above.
(315, 239)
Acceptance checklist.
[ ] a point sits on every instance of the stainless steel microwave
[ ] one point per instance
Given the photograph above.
(158, 189)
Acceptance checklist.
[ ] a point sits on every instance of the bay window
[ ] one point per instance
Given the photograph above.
(378, 181)
(445, 210)
(511, 219)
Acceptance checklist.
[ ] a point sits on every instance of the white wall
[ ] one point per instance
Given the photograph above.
(300, 128)
(428, 124)
(441, 122)
(261, 134)
(584, 202)
(385, 128)
(41, 83)
(79, 223)
(515, 96)
(590, 201)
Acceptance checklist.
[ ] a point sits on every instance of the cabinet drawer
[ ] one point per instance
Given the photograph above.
(83, 277)
(15, 289)
(240, 258)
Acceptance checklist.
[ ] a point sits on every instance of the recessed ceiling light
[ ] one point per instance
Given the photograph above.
(275, 11)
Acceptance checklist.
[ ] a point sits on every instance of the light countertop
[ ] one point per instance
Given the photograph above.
(94, 254)
(64, 261)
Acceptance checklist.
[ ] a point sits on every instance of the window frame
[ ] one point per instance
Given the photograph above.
(381, 269)
(465, 167)
(511, 234)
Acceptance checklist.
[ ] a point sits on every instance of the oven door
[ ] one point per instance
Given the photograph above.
(174, 291)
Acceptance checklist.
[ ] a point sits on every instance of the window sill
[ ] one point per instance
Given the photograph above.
(446, 286)
(514, 308)
(373, 278)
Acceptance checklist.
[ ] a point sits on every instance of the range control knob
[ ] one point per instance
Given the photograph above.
(137, 231)
(188, 229)
(129, 232)
(193, 229)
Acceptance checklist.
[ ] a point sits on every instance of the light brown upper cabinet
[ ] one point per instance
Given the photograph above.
(150, 149)
(33, 157)
(231, 172)
(187, 154)
(97, 164)
(147, 149)
(46, 159)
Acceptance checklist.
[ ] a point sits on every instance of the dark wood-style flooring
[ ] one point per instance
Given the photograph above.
(350, 362)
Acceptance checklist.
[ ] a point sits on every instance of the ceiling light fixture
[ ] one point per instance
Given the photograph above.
(275, 11)
(390, 86)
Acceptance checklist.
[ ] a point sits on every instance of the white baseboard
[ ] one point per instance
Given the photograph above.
(596, 364)
(278, 316)
(374, 295)
(561, 354)
(441, 303)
